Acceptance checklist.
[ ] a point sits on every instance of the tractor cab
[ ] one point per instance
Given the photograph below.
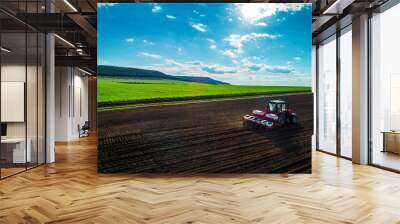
(276, 106)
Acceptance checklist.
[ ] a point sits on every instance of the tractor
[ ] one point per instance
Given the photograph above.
(275, 115)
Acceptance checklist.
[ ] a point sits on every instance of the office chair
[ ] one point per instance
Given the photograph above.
(84, 130)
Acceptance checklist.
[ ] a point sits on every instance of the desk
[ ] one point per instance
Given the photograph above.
(391, 141)
(19, 155)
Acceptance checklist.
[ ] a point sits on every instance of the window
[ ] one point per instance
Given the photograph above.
(22, 88)
(272, 107)
(346, 92)
(327, 95)
(385, 89)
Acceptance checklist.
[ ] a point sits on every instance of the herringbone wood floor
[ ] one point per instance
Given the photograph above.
(70, 191)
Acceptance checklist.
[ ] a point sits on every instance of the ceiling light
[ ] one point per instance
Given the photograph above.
(337, 7)
(79, 51)
(5, 50)
(84, 71)
(70, 5)
(64, 40)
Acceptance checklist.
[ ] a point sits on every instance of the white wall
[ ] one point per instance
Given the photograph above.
(80, 111)
(70, 83)
(62, 81)
(14, 72)
(13, 101)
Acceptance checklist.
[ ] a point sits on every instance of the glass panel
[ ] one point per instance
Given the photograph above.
(31, 99)
(32, 88)
(13, 87)
(41, 98)
(346, 93)
(327, 97)
(385, 84)
(272, 107)
(314, 89)
(23, 87)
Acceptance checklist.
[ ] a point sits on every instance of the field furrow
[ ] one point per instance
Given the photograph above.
(206, 137)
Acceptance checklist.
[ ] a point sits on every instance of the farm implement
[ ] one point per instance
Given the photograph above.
(275, 115)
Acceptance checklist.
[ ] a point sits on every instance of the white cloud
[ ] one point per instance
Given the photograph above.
(198, 68)
(171, 62)
(261, 24)
(230, 53)
(217, 69)
(211, 40)
(230, 19)
(252, 13)
(261, 67)
(244, 72)
(281, 19)
(99, 5)
(212, 43)
(297, 58)
(199, 27)
(170, 17)
(237, 41)
(147, 42)
(279, 69)
(130, 40)
(149, 55)
(156, 8)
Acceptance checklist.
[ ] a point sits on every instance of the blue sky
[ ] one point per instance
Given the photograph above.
(242, 44)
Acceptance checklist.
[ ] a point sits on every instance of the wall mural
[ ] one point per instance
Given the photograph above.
(196, 88)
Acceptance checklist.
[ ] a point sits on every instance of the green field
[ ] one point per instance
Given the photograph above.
(114, 90)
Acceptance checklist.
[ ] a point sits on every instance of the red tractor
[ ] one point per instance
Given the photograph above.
(275, 115)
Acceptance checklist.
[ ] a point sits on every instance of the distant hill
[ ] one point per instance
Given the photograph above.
(125, 71)
(106, 70)
(199, 79)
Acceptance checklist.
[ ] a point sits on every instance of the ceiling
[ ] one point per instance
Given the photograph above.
(73, 21)
(329, 15)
